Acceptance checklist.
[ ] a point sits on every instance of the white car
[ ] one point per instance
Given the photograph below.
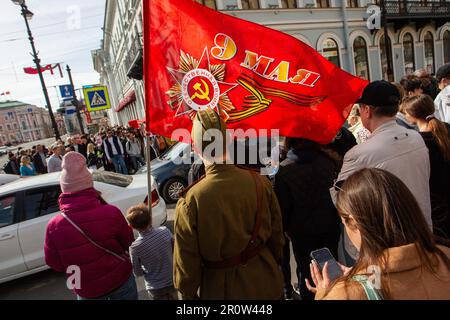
(8, 178)
(28, 204)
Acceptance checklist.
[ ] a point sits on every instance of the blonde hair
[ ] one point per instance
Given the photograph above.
(90, 148)
(25, 160)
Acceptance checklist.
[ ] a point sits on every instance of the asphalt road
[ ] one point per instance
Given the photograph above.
(51, 285)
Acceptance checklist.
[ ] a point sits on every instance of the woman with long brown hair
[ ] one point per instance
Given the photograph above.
(399, 257)
(436, 134)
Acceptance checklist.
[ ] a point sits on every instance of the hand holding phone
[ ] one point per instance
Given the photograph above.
(323, 256)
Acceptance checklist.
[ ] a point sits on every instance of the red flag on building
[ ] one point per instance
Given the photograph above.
(255, 77)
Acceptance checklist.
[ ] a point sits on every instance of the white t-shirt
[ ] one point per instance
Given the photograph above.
(442, 105)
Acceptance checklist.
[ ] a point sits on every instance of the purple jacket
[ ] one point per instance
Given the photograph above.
(101, 272)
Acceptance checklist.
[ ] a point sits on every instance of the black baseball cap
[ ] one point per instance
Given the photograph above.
(443, 72)
(380, 94)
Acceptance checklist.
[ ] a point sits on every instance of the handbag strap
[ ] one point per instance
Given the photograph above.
(371, 292)
(90, 240)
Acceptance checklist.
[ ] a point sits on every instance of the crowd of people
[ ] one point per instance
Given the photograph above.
(378, 197)
(116, 149)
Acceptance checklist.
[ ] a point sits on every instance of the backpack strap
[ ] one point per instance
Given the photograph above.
(252, 250)
(371, 292)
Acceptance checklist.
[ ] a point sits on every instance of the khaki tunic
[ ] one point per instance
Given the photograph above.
(214, 221)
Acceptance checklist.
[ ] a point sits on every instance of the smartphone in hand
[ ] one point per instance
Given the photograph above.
(324, 255)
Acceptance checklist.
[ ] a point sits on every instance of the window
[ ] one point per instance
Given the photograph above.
(361, 58)
(7, 210)
(41, 202)
(447, 46)
(250, 4)
(116, 179)
(208, 3)
(9, 127)
(1, 128)
(331, 51)
(271, 4)
(24, 125)
(323, 3)
(230, 4)
(429, 52)
(352, 3)
(290, 4)
(408, 53)
(386, 60)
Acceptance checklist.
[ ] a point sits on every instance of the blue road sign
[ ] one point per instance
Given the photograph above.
(66, 92)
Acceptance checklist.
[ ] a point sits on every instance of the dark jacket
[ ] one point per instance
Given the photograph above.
(439, 185)
(12, 167)
(82, 148)
(302, 186)
(343, 142)
(40, 166)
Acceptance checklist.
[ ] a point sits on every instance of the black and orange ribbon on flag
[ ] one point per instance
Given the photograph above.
(253, 76)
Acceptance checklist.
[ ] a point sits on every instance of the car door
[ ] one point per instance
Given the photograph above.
(11, 258)
(40, 206)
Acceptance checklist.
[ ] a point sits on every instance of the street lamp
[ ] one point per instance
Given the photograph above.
(27, 15)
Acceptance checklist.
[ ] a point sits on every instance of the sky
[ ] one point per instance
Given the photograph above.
(64, 31)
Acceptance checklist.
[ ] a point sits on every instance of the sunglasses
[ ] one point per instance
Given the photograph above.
(337, 185)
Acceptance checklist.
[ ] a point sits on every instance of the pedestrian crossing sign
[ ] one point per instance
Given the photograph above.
(97, 98)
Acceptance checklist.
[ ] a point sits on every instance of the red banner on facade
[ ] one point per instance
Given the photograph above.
(255, 77)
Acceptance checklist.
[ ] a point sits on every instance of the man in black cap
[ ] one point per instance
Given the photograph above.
(390, 147)
(442, 102)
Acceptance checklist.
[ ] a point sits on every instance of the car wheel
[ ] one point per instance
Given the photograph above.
(172, 188)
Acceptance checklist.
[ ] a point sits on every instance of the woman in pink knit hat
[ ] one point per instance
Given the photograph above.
(89, 236)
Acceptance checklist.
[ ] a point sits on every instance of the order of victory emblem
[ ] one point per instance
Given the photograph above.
(199, 85)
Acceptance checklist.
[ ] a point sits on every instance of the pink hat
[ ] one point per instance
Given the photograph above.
(75, 175)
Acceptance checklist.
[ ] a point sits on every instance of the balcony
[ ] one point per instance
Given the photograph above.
(422, 12)
(133, 55)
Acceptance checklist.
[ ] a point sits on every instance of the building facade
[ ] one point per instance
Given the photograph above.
(21, 122)
(418, 37)
(114, 61)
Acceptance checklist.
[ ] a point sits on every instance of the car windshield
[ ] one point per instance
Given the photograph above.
(175, 151)
(116, 179)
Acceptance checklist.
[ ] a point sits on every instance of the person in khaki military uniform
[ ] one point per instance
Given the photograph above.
(228, 230)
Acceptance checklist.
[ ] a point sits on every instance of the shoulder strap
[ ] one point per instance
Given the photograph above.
(371, 292)
(90, 240)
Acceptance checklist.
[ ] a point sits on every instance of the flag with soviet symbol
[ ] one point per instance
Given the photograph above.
(254, 77)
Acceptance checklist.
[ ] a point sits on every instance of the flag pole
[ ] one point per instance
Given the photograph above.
(146, 26)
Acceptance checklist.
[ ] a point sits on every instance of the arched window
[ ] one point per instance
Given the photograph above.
(408, 53)
(386, 60)
(208, 3)
(447, 46)
(361, 59)
(331, 51)
(250, 4)
(428, 43)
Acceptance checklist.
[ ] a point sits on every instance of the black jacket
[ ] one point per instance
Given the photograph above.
(41, 168)
(302, 186)
(439, 185)
(12, 167)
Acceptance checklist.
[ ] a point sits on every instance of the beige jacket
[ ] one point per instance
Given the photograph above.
(406, 278)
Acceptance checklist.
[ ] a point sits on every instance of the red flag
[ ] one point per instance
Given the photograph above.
(255, 77)
(49, 67)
